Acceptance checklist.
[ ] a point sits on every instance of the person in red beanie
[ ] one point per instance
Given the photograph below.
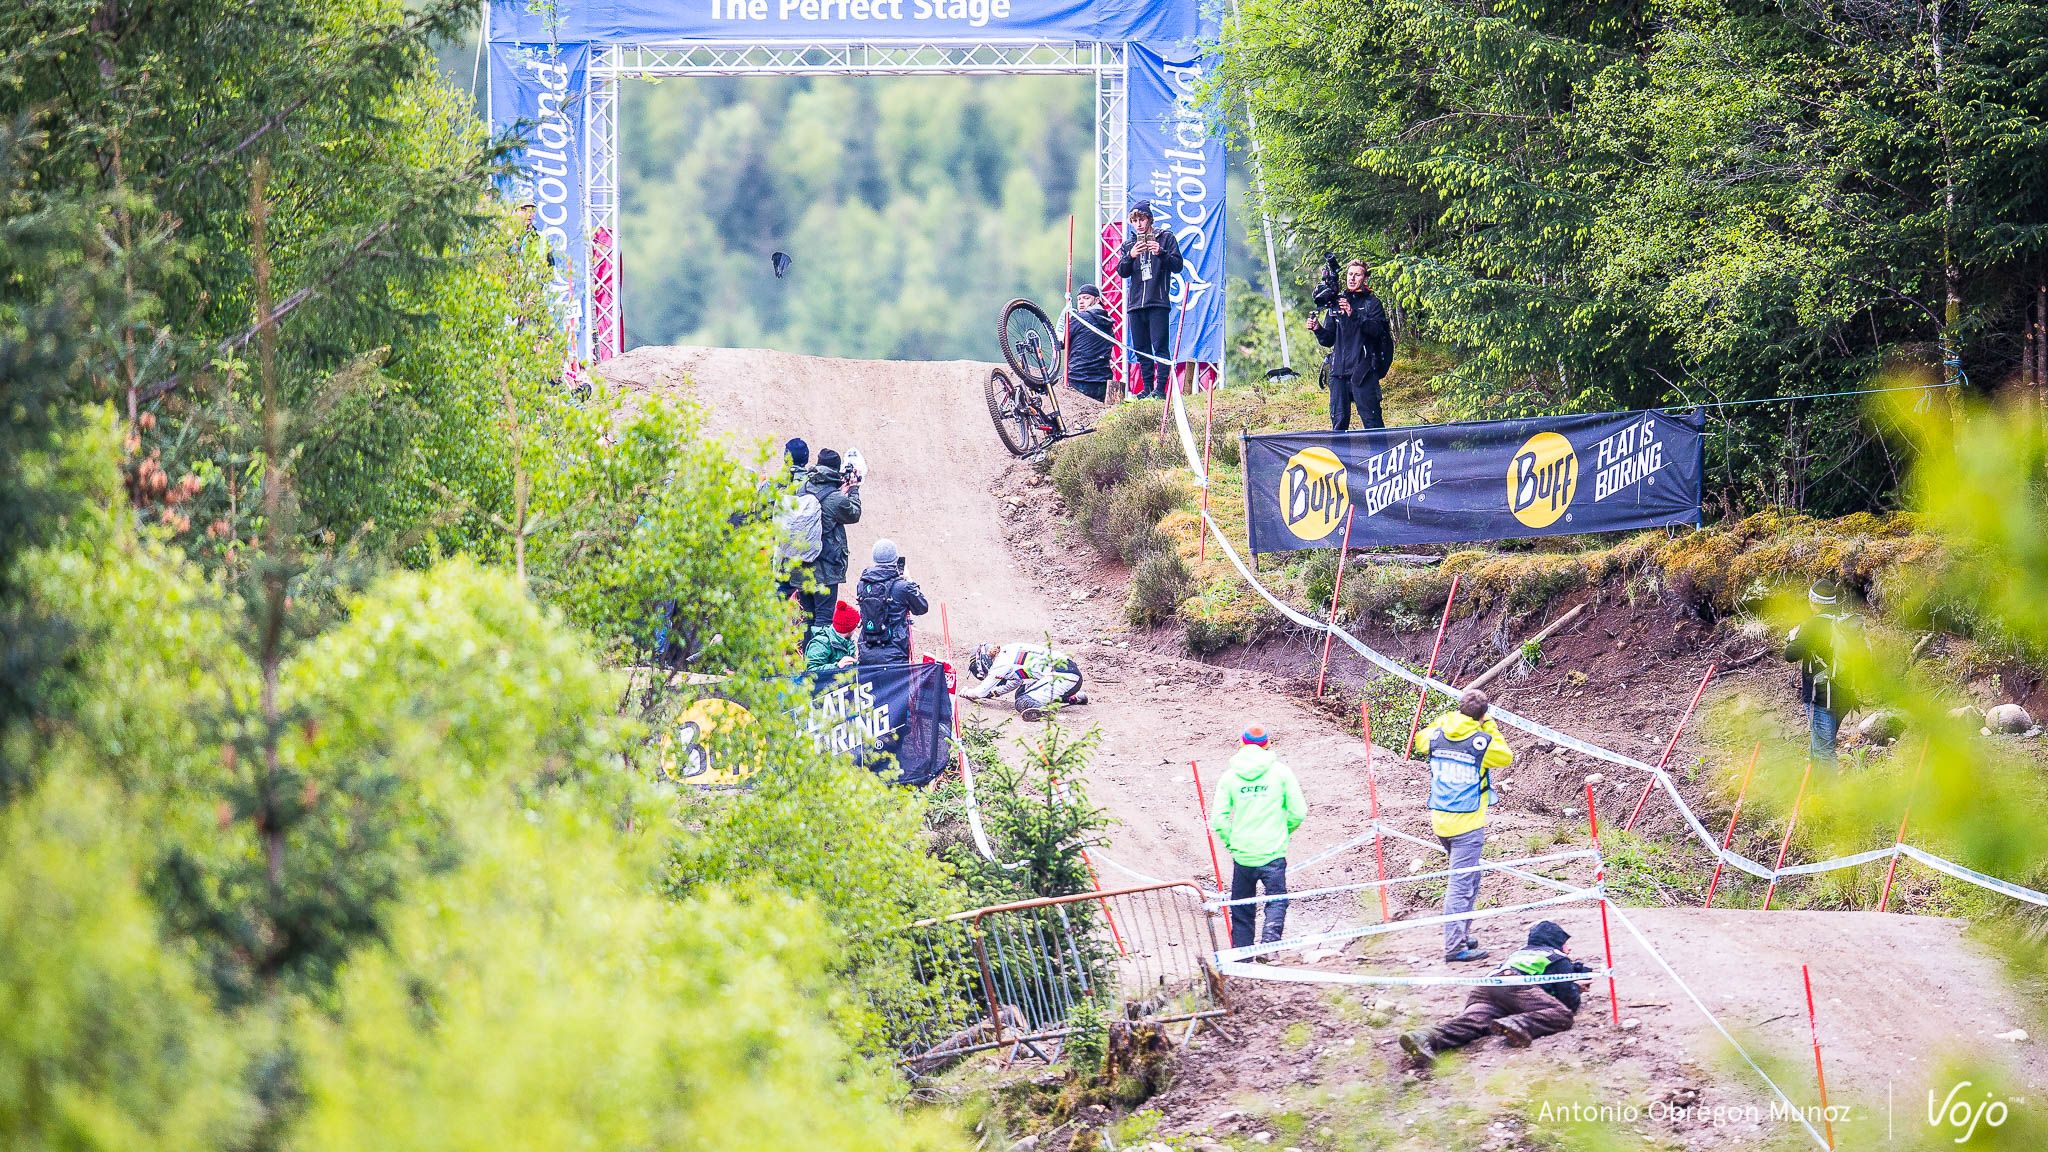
(833, 647)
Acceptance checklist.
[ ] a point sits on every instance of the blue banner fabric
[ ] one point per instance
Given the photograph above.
(540, 87)
(1492, 480)
(1160, 22)
(885, 715)
(1176, 160)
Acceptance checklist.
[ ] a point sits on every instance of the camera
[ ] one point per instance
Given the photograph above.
(1329, 285)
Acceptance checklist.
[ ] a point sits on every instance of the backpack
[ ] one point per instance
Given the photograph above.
(800, 528)
(876, 628)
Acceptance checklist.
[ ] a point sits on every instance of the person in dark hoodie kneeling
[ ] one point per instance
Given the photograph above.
(1090, 345)
(887, 602)
(1517, 1013)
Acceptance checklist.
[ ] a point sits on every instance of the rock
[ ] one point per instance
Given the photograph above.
(2009, 718)
(1262, 1137)
(1631, 1024)
(1882, 725)
(1226, 1116)
(1375, 1020)
(2016, 1035)
(1597, 778)
(1026, 1144)
(1320, 955)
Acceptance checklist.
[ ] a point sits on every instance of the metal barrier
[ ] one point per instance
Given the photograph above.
(1012, 974)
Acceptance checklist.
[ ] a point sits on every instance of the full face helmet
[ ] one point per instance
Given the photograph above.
(983, 659)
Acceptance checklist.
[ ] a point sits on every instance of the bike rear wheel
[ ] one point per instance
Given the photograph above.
(1010, 406)
(1031, 345)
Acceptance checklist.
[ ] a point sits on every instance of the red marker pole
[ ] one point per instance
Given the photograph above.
(1208, 834)
(1728, 837)
(1423, 699)
(1787, 841)
(1372, 793)
(1343, 554)
(1664, 759)
(1059, 791)
(1820, 1074)
(1600, 877)
(1899, 841)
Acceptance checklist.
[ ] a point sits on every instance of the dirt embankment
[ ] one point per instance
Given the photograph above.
(1313, 1066)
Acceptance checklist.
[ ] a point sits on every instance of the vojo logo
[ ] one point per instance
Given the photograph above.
(1312, 493)
(1541, 479)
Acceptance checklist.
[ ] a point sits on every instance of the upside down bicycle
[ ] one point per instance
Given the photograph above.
(1026, 409)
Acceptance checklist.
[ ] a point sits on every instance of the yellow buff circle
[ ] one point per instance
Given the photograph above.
(1313, 497)
(1542, 476)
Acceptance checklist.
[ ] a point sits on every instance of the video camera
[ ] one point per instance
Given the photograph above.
(1330, 284)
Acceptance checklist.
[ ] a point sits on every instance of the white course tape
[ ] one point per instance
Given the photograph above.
(1545, 732)
(1313, 976)
(1790, 1107)
(1482, 866)
(1576, 895)
(981, 843)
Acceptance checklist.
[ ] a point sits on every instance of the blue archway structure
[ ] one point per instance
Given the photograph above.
(555, 70)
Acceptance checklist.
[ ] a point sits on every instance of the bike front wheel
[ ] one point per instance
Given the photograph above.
(1016, 417)
(1031, 345)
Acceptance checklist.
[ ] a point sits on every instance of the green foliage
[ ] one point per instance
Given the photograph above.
(1036, 812)
(1158, 585)
(914, 209)
(1601, 206)
(1087, 1039)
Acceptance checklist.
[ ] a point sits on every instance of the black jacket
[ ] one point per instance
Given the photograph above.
(1544, 939)
(887, 602)
(1155, 292)
(836, 510)
(1087, 353)
(1816, 647)
(1361, 344)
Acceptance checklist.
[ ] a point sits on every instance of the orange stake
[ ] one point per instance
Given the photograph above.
(1664, 759)
(1208, 834)
(1343, 554)
(1600, 877)
(1813, 1025)
(1372, 793)
(1422, 699)
(1728, 837)
(1789, 826)
(1898, 841)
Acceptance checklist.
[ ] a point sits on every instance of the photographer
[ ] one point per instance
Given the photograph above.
(1354, 327)
(1147, 261)
(887, 602)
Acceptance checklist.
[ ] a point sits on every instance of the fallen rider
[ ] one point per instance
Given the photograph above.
(1040, 676)
(1517, 1013)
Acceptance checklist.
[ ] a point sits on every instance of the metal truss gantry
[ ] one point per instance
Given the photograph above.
(604, 286)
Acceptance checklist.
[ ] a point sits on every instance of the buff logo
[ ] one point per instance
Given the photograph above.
(1313, 493)
(1542, 478)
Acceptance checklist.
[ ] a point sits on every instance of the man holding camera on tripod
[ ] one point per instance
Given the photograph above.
(1354, 327)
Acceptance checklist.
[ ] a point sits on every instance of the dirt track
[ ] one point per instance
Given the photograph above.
(1898, 993)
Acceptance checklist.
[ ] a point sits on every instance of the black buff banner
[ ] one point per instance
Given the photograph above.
(877, 712)
(1490, 480)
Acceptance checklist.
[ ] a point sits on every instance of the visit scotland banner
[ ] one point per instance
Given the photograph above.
(540, 88)
(1156, 22)
(1491, 480)
(1176, 161)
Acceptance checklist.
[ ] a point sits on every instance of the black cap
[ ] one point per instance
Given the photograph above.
(1548, 934)
(799, 453)
(828, 459)
(1087, 290)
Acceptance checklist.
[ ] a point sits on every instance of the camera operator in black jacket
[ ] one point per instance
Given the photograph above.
(1361, 350)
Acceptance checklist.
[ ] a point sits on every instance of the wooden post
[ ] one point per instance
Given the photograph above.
(1728, 837)
(1422, 699)
(1372, 794)
(1600, 877)
(1789, 826)
(1343, 554)
(1664, 759)
(1899, 841)
(1208, 834)
(1819, 1073)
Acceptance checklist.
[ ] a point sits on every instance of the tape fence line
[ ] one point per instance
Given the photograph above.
(1576, 895)
(1315, 976)
(1545, 732)
(1415, 878)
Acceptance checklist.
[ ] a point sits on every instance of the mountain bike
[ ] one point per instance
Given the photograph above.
(1026, 409)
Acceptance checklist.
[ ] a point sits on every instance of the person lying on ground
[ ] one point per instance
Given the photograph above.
(1464, 750)
(1258, 806)
(1040, 676)
(1089, 344)
(887, 602)
(833, 647)
(1517, 1013)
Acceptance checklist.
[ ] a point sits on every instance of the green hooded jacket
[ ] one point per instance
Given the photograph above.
(1258, 806)
(826, 649)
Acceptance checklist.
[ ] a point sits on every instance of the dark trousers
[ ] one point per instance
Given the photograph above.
(1364, 391)
(1147, 330)
(819, 605)
(1272, 876)
(1096, 390)
(1538, 1012)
